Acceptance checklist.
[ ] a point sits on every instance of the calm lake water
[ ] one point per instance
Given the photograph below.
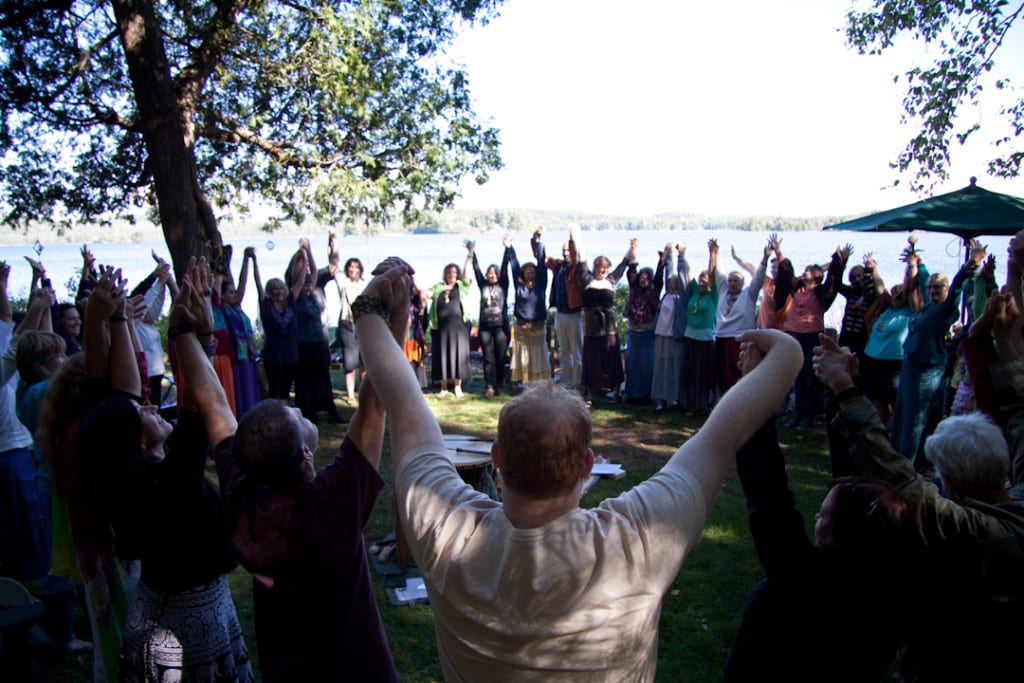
(428, 254)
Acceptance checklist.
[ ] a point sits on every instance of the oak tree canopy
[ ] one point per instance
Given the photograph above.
(334, 110)
(968, 35)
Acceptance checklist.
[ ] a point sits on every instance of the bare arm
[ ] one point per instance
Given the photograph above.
(411, 422)
(741, 411)
(745, 265)
(256, 278)
(243, 276)
(366, 428)
(38, 315)
(203, 389)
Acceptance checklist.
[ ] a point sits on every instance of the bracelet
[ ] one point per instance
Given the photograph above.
(365, 303)
(118, 319)
(847, 394)
(178, 330)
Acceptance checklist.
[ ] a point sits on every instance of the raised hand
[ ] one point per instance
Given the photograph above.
(845, 252)
(506, 241)
(37, 266)
(834, 366)
(713, 245)
(681, 248)
(249, 252)
(774, 242)
(988, 269)
(978, 252)
(1016, 250)
(869, 261)
(87, 258)
(1005, 317)
(392, 284)
(470, 246)
(5, 270)
(107, 296)
(192, 305)
(750, 357)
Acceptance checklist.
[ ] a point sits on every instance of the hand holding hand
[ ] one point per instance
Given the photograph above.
(249, 252)
(834, 366)
(1016, 250)
(107, 296)
(506, 241)
(470, 246)
(681, 248)
(137, 308)
(1005, 316)
(392, 284)
(37, 267)
(978, 252)
(988, 269)
(192, 305)
(750, 357)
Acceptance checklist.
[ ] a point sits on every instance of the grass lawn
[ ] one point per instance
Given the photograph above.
(701, 611)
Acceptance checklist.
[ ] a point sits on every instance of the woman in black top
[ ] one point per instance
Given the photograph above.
(493, 316)
(154, 500)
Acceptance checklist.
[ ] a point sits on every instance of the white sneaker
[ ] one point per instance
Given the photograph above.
(458, 392)
(442, 393)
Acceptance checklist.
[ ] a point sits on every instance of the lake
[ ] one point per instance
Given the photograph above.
(428, 254)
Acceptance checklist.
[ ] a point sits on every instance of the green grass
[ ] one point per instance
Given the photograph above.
(700, 612)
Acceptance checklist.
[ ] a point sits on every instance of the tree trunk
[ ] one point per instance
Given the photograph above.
(171, 161)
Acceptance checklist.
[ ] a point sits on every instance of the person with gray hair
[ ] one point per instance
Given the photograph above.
(970, 457)
(974, 539)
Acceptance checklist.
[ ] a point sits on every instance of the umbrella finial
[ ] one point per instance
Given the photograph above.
(974, 180)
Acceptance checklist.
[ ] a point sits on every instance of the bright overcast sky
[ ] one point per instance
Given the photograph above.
(741, 107)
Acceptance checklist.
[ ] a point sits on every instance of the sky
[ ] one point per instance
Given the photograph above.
(653, 106)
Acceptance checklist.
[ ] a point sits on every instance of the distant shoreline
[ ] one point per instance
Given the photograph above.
(450, 222)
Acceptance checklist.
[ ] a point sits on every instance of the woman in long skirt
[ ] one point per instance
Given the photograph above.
(449, 329)
(602, 357)
(530, 357)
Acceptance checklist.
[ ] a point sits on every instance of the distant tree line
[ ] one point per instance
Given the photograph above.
(448, 222)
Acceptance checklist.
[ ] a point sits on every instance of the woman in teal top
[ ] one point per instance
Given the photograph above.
(888, 322)
(449, 328)
(698, 380)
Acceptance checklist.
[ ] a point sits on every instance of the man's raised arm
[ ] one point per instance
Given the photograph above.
(742, 410)
(381, 314)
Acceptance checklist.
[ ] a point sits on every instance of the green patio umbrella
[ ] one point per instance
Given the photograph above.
(969, 212)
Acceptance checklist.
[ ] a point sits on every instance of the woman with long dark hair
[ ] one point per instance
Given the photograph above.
(157, 506)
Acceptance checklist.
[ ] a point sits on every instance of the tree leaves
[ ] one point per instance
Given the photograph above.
(969, 35)
(330, 110)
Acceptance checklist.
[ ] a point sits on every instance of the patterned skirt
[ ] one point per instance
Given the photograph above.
(190, 635)
(530, 358)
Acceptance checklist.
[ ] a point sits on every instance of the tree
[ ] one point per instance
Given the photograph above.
(968, 35)
(339, 110)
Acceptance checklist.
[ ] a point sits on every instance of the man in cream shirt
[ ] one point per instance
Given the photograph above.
(533, 587)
